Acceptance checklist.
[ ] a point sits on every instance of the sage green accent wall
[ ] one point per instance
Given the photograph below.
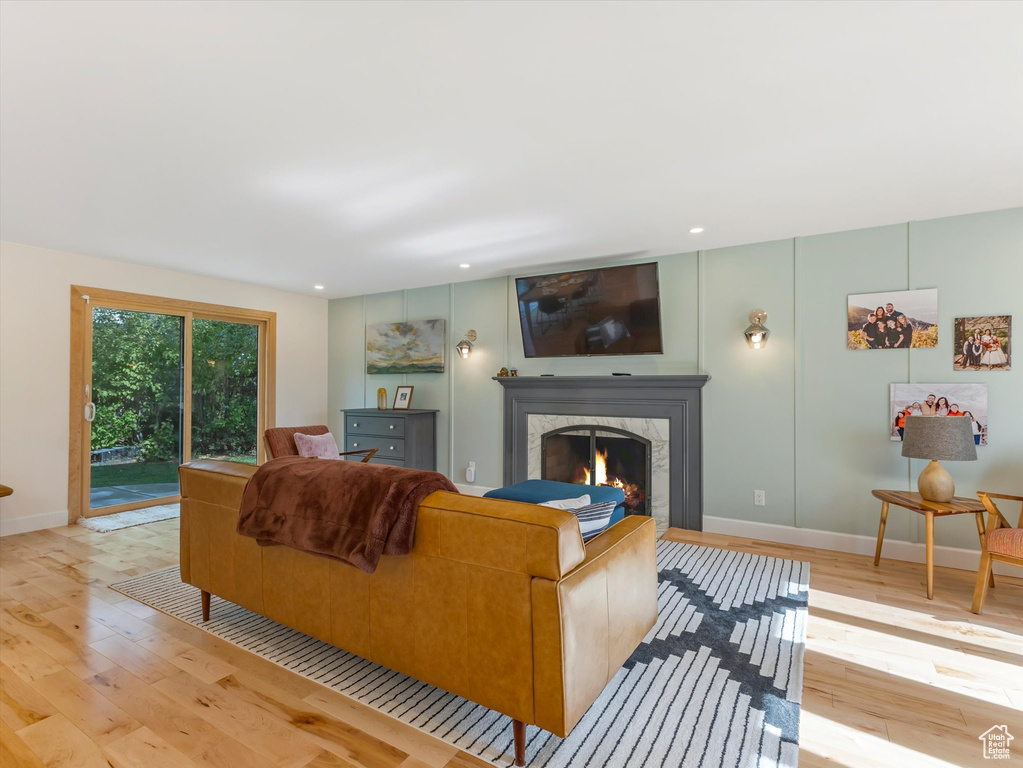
(804, 419)
(431, 389)
(352, 387)
(841, 395)
(346, 370)
(976, 263)
(748, 427)
(477, 402)
(382, 308)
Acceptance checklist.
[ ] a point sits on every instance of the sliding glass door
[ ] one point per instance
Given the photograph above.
(225, 384)
(138, 392)
(157, 382)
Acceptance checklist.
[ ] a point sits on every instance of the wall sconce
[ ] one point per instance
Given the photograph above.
(756, 334)
(464, 347)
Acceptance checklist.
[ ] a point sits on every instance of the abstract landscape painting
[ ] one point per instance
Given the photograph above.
(412, 347)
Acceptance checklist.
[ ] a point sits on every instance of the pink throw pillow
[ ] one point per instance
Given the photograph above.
(317, 446)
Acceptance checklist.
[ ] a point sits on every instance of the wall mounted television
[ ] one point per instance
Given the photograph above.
(608, 311)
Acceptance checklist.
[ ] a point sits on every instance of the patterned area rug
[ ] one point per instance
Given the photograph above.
(717, 682)
(133, 517)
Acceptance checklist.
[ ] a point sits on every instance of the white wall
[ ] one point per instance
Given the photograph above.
(34, 362)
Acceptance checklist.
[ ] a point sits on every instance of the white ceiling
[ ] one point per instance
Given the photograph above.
(373, 146)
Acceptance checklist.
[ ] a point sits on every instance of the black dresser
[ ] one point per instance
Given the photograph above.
(402, 438)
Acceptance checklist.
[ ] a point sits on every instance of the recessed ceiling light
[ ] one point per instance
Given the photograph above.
(318, 287)
(464, 266)
(695, 230)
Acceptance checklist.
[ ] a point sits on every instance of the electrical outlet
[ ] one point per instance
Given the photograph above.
(470, 472)
(758, 499)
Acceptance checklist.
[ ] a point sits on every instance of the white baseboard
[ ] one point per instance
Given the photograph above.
(894, 549)
(55, 519)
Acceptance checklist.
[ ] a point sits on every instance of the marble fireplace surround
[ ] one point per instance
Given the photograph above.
(654, 430)
(665, 408)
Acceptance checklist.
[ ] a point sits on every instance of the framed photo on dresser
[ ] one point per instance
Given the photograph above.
(403, 398)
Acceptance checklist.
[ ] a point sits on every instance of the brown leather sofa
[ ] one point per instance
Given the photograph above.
(499, 602)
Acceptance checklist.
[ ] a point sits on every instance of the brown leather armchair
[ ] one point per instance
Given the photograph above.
(280, 441)
(499, 602)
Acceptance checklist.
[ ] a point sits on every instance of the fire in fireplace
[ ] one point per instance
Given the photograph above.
(590, 455)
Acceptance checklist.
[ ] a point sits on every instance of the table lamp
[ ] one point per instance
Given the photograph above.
(938, 438)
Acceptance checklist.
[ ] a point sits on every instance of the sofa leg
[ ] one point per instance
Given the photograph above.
(205, 605)
(519, 728)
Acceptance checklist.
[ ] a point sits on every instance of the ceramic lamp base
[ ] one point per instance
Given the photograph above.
(935, 483)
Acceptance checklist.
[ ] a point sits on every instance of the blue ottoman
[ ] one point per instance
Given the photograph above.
(539, 491)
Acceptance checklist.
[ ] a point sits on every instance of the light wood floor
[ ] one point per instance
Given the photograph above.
(91, 678)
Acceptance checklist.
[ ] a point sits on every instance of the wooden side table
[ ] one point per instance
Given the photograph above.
(930, 509)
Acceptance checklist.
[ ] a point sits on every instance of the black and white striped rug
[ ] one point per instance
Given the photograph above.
(718, 681)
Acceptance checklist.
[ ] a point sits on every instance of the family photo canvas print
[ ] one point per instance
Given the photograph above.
(963, 401)
(982, 343)
(893, 319)
(412, 347)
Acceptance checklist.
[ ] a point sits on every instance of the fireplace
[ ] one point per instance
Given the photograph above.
(645, 430)
(590, 454)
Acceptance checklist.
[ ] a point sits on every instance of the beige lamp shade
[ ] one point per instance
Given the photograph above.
(939, 438)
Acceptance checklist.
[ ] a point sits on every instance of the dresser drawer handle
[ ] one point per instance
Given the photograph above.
(390, 427)
(355, 423)
(355, 445)
(390, 448)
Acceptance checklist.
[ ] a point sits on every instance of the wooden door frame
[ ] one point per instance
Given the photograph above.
(83, 299)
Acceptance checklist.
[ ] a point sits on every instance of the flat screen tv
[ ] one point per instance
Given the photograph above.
(609, 311)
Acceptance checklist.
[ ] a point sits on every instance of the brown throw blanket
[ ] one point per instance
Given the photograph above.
(344, 510)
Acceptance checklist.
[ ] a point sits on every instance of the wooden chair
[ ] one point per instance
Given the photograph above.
(280, 441)
(1003, 543)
